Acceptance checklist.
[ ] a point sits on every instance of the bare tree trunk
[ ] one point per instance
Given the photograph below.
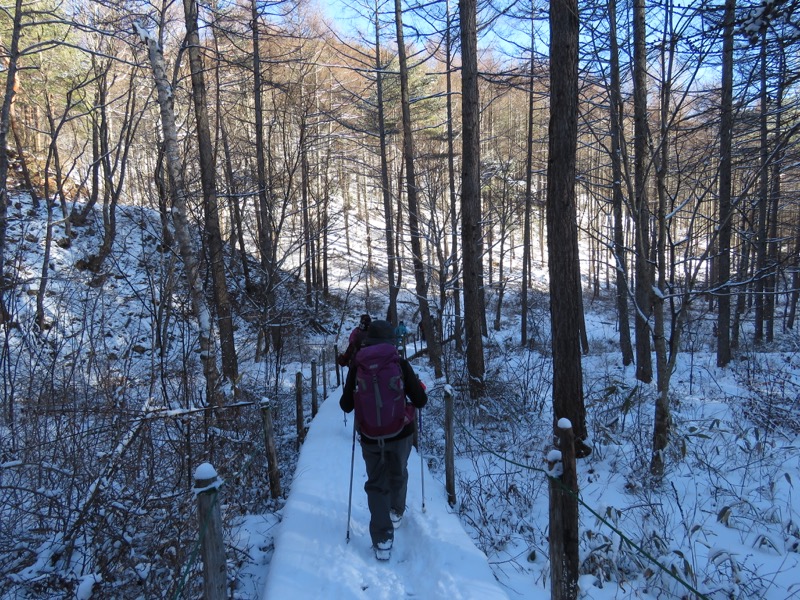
(23, 162)
(620, 255)
(113, 162)
(432, 337)
(109, 198)
(451, 177)
(773, 265)
(471, 230)
(326, 204)
(725, 171)
(308, 244)
(763, 198)
(526, 227)
(795, 295)
(48, 245)
(663, 418)
(52, 160)
(237, 212)
(265, 238)
(167, 240)
(742, 275)
(5, 120)
(179, 217)
(213, 237)
(562, 227)
(386, 192)
(644, 272)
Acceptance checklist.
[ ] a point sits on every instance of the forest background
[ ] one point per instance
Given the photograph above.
(264, 149)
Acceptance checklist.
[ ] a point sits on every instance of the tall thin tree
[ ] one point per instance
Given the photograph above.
(471, 230)
(208, 177)
(451, 180)
(180, 220)
(562, 226)
(617, 147)
(562, 247)
(432, 336)
(644, 270)
(5, 122)
(725, 172)
(386, 192)
(526, 227)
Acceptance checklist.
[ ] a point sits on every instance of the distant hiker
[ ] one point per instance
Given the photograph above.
(377, 389)
(400, 333)
(354, 341)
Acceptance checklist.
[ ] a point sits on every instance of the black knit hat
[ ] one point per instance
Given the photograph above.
(380, 332)
(365, 321)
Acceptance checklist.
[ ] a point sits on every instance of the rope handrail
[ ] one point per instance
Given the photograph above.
(624, 538)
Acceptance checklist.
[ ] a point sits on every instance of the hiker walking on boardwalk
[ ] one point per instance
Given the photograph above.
(378, 388)
(354, 342)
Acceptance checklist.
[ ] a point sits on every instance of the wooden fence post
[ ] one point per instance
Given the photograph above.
(298, 389)
(449, 446)
(215, 576)
(269, 444)
(313, 388)
(324, 375)
(564, 560)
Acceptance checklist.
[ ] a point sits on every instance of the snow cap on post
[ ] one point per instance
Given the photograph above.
(555, 468)
(205, 479)
(564, 423)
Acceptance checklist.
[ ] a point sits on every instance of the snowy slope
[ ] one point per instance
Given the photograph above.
(433, 557)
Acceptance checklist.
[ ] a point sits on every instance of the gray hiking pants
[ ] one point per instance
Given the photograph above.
(387, 484)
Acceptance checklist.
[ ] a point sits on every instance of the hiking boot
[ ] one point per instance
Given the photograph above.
(396, 517)
(383, 550)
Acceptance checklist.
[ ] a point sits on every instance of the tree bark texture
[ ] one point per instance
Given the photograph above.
(180, 221)
(432, 337)
(661, 425)
(763, 197)
(526, 227)
(620, 254)
(5, 121)
(213, 237)
(471, 231)
(725, 175)
(644, 272)
(451, 180)
(264, 211)
(562, 228)
(386, 192)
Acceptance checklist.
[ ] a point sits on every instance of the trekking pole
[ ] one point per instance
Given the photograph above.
(419, 451)
(350, 497)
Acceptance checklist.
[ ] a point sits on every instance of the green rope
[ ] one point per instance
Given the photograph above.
(600, 518)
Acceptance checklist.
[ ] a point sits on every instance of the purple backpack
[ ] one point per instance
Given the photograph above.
(380, 397)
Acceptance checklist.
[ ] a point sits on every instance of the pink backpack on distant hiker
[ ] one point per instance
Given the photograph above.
(380, 397)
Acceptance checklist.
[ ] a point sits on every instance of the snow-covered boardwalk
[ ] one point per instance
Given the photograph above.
(433, 557)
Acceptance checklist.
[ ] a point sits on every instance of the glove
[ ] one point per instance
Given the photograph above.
(342, 360)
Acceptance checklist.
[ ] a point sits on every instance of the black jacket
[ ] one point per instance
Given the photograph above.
(413, 388)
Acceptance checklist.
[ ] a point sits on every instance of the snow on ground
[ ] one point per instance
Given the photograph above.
(433, 557)
(678, 525)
